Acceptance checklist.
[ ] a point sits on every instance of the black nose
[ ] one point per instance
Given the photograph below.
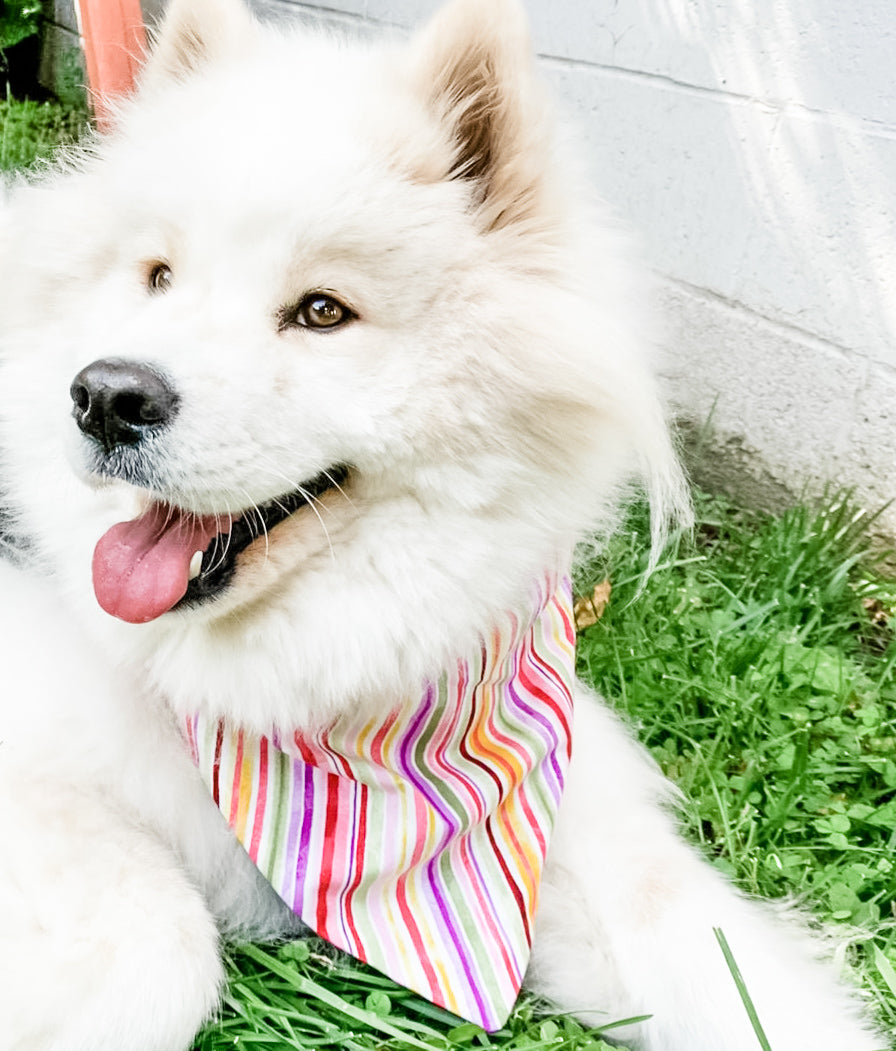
(119, 402)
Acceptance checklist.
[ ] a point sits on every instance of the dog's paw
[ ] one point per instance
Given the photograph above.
(104, 944)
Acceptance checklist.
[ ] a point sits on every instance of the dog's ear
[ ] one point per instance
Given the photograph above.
(475, 66)
(194, 33)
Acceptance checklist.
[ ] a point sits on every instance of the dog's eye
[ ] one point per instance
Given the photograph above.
(320, 311)
(159, 277)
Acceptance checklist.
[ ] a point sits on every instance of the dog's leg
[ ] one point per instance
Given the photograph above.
(625, 926)
(104, 942)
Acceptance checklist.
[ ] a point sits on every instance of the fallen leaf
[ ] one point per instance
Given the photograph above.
(877, 611)
(590, 608)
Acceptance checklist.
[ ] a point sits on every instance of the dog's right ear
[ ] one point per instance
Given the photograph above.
(474, 65)
(194, 33)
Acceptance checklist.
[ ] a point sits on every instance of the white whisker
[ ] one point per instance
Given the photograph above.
(339, 488)
(311, 500)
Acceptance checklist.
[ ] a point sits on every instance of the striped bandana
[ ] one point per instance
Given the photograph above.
(416, 842)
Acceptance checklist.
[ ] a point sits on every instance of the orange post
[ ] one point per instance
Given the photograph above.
(114, 43)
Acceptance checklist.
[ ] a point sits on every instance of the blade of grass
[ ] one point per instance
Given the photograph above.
(742, 990)
(886, 969)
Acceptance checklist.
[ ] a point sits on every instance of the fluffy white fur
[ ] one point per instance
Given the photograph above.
(493, 399)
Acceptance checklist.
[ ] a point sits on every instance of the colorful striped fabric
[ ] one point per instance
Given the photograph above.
(416, 842)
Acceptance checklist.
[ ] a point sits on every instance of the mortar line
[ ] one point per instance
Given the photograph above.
(737, 306)
(879, 129)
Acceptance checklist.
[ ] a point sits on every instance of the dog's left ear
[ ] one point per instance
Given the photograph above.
(474, 64)
(194, 33)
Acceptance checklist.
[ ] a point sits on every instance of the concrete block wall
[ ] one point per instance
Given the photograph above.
(752, 148)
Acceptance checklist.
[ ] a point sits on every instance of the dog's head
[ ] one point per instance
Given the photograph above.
(339, 356)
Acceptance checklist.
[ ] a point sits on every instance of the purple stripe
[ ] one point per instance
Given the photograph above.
(409, 771)
(406, 767)
(305, 814)
(550, 736)
(445, 913)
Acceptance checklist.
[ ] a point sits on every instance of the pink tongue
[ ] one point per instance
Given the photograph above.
(142, 568)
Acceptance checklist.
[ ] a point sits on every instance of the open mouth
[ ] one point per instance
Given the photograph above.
(169, 558)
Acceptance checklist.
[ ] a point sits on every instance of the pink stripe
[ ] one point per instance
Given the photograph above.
(260, 799)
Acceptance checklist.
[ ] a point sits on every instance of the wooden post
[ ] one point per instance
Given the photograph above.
(114, 43)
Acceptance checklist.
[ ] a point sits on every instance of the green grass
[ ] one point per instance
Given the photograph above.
(30, 131)
(759, 665)
(305, 995)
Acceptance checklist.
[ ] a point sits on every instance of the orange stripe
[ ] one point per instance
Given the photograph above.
(242, 786)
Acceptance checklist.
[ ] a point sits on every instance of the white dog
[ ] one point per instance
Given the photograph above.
(314, 371)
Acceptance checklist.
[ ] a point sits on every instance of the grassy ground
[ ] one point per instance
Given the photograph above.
(759, 665)
(30, 131)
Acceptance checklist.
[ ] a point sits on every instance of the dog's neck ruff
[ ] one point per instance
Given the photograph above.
(416, 843)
